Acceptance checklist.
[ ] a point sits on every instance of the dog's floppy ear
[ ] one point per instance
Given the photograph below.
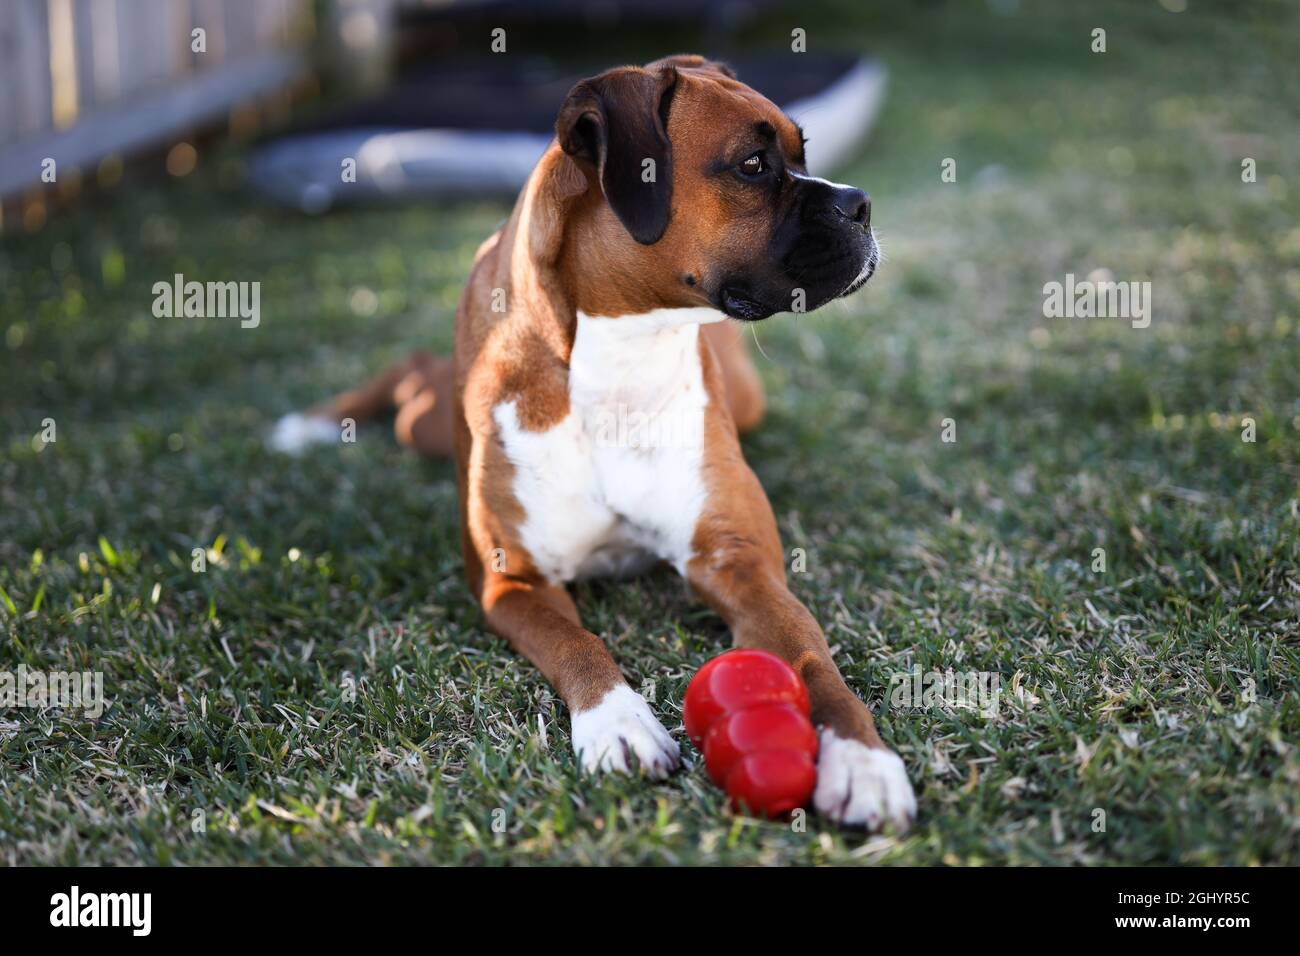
(616, 122)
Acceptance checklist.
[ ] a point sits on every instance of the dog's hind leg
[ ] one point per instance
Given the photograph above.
(424, 406)
(419, 387)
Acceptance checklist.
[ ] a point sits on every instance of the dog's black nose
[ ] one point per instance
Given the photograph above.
(853, 204)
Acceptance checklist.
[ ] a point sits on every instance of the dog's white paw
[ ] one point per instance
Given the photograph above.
(620, 727)
(862, 786)
(295, 432)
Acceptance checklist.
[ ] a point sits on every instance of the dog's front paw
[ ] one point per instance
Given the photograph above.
(862, 786)
(622, 727)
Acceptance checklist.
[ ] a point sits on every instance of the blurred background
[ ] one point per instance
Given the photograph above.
(1003, 150)
(421, 97)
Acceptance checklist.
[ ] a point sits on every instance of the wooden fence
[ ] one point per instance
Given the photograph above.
(81, 79)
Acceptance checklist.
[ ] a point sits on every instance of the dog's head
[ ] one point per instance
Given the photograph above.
(705, 188)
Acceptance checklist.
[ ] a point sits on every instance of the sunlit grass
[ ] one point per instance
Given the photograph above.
(1162, 692)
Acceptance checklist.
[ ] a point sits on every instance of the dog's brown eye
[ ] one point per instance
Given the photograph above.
(754, 166)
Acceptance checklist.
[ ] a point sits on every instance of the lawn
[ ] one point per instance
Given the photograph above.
(325, 692)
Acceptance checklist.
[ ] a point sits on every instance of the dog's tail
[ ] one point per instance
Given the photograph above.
(419, 387)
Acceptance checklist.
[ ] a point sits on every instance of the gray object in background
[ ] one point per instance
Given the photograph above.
(306, 171)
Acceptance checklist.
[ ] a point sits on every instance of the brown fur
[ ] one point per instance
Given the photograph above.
(564, 249)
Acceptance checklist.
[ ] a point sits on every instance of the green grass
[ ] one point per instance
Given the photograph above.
(227, 687)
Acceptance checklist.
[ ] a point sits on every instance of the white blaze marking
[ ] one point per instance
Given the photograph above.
(600, 497)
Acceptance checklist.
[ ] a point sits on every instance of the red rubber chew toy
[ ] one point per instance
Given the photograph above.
(748, 712)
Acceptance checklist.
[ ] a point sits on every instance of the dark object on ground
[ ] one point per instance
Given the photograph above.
(467, 127)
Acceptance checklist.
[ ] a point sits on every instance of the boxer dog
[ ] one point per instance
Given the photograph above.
(596, 393)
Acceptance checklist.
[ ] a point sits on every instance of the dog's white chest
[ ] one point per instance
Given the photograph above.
(618, 483)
